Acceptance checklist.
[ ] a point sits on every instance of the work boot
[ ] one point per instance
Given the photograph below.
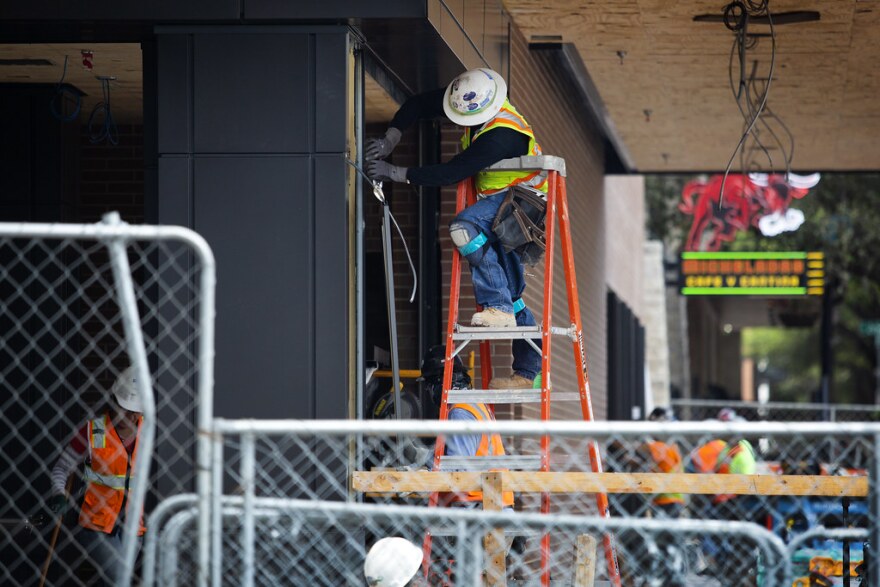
(513, 382)
(493, 318)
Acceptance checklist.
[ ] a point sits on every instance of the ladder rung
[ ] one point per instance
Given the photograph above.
(475, 464)
(507, 396)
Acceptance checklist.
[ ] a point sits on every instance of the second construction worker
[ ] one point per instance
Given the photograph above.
(462, 445)
(107, 445)
(494, 130)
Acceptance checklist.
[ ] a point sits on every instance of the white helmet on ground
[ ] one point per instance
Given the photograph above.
(474, 97)
(392, 562)
(126, 392)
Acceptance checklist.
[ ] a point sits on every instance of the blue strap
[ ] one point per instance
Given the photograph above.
(518, 306)
(473, 246)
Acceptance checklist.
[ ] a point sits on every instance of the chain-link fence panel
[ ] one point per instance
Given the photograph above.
(326, 544)
(778, 480)
(71, 389)
(697, 409)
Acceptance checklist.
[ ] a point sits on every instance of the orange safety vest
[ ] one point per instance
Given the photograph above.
(667, 458)
(108, 476)
(489, 446)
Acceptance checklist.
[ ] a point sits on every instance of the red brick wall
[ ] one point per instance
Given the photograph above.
(112, 176)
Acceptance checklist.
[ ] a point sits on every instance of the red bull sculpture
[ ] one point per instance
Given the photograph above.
(757, 199)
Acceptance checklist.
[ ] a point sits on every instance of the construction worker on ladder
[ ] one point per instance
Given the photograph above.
(494, 130)
(108, 445)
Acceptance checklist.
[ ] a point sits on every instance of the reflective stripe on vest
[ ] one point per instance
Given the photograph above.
(112, 481)
(490, 445)
(493, 181)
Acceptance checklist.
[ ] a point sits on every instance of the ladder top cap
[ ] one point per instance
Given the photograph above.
(531, 162)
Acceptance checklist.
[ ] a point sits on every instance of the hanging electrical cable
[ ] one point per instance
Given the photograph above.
(101, 130)
(380, 195)
(736, 19)
(62, 94)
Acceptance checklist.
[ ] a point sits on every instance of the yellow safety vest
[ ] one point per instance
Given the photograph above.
(494, 181)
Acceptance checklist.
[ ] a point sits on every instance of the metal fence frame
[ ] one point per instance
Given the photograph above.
(250, 430)
(115, 234)
(829, 412)
(164, 544)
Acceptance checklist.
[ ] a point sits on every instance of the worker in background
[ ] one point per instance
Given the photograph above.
(663, 457)
(108, 445)
(393, 562)
(494, 130)
(721, 457)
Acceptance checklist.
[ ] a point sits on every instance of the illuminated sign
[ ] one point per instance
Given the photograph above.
(738, 274)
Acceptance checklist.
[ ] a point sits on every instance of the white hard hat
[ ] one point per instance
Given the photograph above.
(126, 392)
(392, 562)
(474, 97)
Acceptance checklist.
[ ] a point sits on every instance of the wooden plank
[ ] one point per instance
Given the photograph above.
(494, 543)
(585, 561)
(537, 482)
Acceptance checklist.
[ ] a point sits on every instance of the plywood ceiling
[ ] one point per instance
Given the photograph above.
(121, 60)
(826, 83)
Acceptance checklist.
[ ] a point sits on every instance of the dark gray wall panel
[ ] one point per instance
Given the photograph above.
(257, 215)
(175, 201)
(331, 270)
(199, 10)
(252, 93)
(338, 9)
(174, 93)
(330, 93)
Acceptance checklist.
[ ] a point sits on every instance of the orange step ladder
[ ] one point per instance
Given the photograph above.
(457, 337)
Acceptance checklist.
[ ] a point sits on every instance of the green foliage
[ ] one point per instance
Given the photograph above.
(787, 358)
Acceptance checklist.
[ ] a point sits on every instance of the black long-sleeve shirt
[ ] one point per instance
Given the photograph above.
(489, 148)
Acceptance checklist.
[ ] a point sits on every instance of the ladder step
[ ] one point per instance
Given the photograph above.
(508, 333)
(453, 531)
(484, 333)
(476, 464)
(507, 396)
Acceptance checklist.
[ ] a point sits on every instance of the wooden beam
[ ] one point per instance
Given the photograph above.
(585, 561)
(494, 543)
(538, 482)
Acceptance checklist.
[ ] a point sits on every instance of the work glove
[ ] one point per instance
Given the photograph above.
(381, 148)
(58, 505)
(382, 171)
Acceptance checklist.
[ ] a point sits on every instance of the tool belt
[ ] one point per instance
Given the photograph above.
(519, 223)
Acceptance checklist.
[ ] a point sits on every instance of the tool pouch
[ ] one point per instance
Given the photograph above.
(519, 223)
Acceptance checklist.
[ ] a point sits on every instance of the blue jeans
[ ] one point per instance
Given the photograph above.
(105, 553)
(498, 277)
